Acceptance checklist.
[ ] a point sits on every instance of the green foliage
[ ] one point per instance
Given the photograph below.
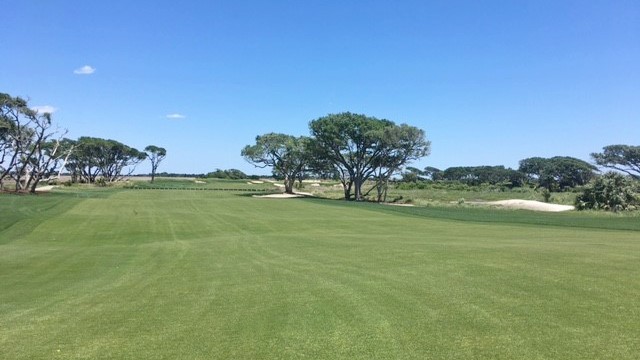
(476, 175)
(233, 174)
(155, 154)
(559, 173)
(287, 155)
(612, 192)
(623, 158)
(28, 144)
(360, 148)
(92, 157)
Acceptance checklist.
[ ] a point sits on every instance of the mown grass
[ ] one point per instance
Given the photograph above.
(201, 184)
(199, 275)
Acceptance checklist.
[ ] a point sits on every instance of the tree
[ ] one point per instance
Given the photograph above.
(155, 155)
(286, 154)
(361, 147)
(400, 145)
(93, 157)
(624, 158)
(557, 173)
(233, 174)
(433, 173)
(612, 191)
(28, 146)
(476, 175)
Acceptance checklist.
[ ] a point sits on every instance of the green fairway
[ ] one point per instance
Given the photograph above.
(180, 274)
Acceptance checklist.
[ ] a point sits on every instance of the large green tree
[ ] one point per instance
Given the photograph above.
(155, 154)
(400, 145)
(625, 158)
(287, 155)
(93, 157)
(360, 148)
(557, 173)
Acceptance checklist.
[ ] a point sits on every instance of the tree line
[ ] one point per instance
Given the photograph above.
(32, 149)
(360, 151)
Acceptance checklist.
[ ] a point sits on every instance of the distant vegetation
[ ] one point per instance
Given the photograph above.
(33, 149)
(367, 156)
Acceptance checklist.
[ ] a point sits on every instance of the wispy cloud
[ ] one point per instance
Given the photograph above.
(175, 116)
(85, 70)
(44, 109)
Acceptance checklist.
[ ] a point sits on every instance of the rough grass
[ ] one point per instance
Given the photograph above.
(199, 275)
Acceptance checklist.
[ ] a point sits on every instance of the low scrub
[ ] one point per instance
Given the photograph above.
(611, 192)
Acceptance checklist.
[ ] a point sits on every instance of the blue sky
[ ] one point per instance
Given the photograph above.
(491, 82)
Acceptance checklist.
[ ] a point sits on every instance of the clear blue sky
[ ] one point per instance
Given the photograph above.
(491, 82)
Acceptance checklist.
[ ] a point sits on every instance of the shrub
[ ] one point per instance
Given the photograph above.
(612, 192)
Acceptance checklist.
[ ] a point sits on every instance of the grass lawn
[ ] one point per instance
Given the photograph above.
(175, 274)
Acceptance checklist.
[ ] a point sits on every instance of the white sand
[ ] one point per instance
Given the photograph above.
(530, 205)
(284, 195)
(200, 182)
(279, 196)
(45, 188)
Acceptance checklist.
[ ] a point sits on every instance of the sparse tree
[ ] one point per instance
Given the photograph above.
(155, 154)
(28, 143)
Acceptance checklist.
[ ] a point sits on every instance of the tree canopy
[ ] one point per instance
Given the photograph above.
(29, 143)
(476, 175)
(360, 147)
(624, 158)
(155, 154)
(286, 154)
(557, 173)
(92, 157)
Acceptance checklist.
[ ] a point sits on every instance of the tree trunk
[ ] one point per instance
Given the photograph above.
(288, 184)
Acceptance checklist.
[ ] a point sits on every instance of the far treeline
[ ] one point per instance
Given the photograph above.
(33, 149)
(365, 154)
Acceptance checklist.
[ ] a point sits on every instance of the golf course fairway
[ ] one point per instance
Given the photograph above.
(168, 274)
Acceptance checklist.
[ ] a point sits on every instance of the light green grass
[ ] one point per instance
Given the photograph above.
(200, 275)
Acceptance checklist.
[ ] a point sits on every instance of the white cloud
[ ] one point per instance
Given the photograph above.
(85, 70)
(175, 116)
(44, 109)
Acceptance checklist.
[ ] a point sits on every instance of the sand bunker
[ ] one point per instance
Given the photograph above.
(45, 188)
(279, 196)
(284, 195)
(530, 205)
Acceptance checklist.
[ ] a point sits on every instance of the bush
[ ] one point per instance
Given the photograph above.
(611, 192)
